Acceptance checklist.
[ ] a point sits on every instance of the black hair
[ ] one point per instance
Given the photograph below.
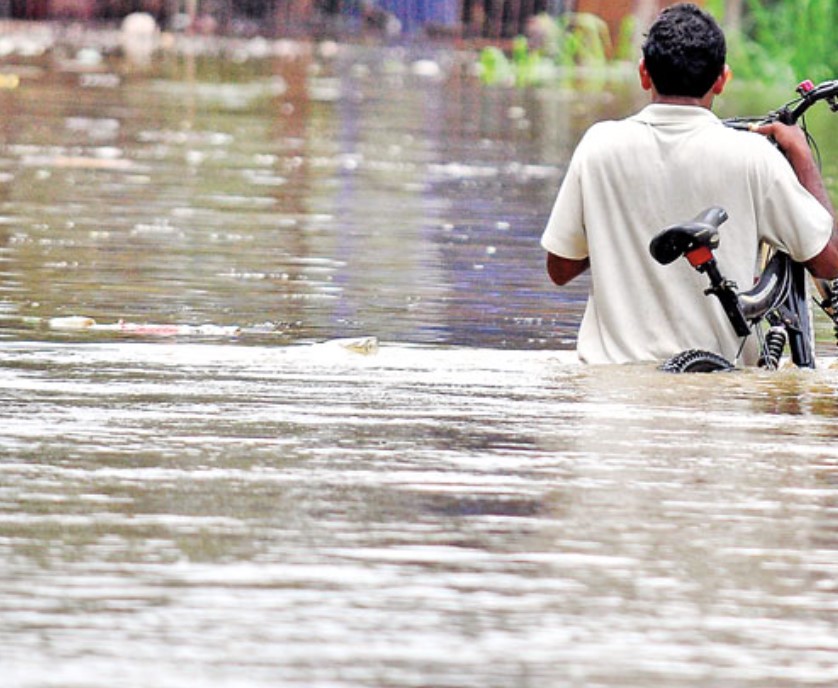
(684, 51)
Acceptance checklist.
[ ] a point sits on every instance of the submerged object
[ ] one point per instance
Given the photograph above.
(359, 345)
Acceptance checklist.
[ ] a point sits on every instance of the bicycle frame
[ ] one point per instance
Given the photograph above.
(780, 295)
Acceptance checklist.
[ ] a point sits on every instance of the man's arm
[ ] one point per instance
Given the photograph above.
(825, 264)
(792, 141)
(562, 270)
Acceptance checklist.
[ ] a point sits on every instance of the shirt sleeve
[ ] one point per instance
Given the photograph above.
(564, 234)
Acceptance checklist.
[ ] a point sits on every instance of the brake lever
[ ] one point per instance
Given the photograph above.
(785, 116)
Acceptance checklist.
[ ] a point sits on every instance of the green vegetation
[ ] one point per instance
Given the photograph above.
(796, 37)
(780, 41)
(554, 46)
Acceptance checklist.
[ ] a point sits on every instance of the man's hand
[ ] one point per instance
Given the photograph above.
(789, 137)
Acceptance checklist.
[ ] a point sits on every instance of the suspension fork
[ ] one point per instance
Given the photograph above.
(800, 330)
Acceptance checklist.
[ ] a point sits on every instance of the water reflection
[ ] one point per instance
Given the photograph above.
(283, 195)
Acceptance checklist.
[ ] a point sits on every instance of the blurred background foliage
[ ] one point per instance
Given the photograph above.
(781, 40)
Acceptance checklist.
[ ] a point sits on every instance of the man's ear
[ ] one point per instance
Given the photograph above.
(645, 79)
(721, 82)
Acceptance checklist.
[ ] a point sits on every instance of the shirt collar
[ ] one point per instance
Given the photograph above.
(660, 113)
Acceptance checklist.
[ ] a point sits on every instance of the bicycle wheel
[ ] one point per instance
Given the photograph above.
(696, 361)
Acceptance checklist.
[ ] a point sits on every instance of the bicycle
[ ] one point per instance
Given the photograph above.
(779, 299)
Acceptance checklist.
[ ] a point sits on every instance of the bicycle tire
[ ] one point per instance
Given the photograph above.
(696, 361)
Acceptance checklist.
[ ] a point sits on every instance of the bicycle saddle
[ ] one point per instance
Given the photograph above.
(681, 239)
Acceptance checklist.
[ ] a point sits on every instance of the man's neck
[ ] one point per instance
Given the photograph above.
(705, 102)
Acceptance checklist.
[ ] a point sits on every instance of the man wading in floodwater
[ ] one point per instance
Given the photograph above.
(628, 179)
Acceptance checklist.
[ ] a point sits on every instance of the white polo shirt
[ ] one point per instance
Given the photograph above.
(629, 179)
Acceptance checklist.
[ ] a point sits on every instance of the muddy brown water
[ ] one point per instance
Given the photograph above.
(206, 489)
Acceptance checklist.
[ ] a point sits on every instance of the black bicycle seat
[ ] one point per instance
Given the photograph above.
(678, 240)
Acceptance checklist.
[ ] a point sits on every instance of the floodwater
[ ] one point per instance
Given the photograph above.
(288, 401)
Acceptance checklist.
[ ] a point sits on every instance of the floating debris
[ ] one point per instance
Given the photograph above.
(97, 80)
(365, 345)
(83, 323)
(9, 82)
(79, 162)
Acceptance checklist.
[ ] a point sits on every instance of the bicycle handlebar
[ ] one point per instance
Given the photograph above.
(792, 111)
(809, 95)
